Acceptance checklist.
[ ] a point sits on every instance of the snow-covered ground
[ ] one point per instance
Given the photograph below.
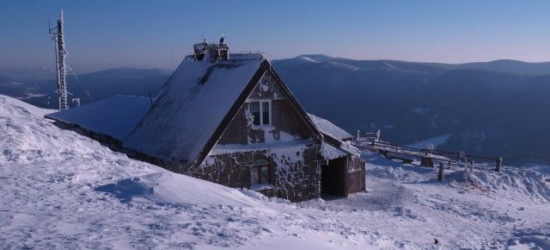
(60, 190)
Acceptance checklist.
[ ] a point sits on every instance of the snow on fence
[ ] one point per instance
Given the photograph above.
(428, 157)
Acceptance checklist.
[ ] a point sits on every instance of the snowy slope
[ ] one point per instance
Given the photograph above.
(64, 191)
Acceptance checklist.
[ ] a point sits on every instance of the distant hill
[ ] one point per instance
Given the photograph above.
(483, 108)
(5, 80)
(92, 86)
(25, 74)
(506, 66)
(11, 87)
(511, 66)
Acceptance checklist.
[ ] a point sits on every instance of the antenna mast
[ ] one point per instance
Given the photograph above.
(60, 54)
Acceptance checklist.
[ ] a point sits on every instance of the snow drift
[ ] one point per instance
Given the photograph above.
(64, 191)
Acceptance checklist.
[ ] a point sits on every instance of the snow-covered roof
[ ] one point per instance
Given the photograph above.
(341, 148)
(115, 116)
(191, 107)
(329, 128)
(352, 150)
(330, 152)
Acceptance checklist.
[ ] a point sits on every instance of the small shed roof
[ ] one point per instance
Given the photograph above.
(328, 128)
(334, 145)
(115, 116)
(330, 152)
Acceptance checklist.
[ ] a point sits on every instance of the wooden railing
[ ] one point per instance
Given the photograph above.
(427, 156)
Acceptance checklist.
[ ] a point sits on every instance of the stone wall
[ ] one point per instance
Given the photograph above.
(295, 171)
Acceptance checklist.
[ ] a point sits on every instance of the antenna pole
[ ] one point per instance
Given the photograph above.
(60, 54)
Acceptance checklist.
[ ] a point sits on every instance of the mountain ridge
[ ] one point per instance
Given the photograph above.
(501, 65)
(92, 86)
(485, 110)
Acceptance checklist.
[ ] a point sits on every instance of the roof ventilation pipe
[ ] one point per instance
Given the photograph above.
(224, 49)
(215, 51)
(200, 50)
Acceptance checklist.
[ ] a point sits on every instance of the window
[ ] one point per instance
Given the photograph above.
(261, 173)
(255, 111)
(265, 113)
(261, 112)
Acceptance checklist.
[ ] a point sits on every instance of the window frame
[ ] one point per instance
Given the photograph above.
(256, 169)
(261, 112)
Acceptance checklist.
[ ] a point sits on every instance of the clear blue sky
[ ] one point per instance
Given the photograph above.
(106, 33)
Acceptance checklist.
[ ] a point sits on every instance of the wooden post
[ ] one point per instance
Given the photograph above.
(471, 163)
(426, 162)
(440, 174)
(499, 164)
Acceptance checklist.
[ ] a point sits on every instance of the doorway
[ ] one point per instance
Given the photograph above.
(333, 177)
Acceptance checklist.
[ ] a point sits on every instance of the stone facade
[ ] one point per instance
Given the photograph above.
(286, 143)
(294, 171)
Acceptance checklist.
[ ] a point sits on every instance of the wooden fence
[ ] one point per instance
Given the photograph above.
(427, 157)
